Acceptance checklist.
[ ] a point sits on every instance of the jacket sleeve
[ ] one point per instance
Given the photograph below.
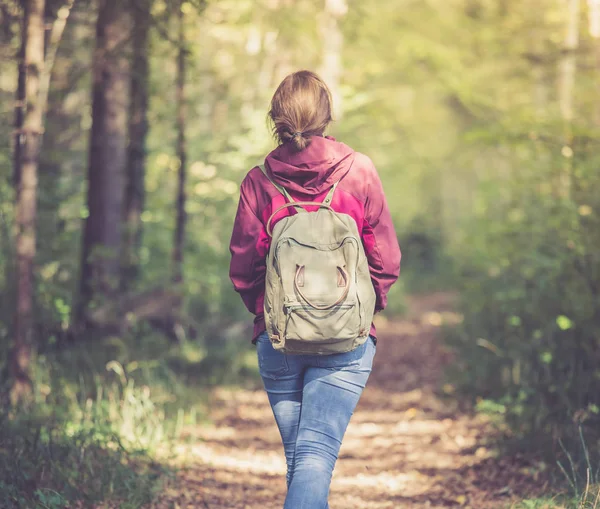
(247, 267)
(380, 241)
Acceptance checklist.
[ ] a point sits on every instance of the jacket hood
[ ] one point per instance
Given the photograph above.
(313, 170)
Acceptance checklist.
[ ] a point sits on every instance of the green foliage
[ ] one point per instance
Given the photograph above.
(529, 341)
(590, 499)
(542, 503)
(526, 234)
(104, 412)
(49, 459)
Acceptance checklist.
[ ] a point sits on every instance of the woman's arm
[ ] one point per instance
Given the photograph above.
(380, 240)
(247, 267)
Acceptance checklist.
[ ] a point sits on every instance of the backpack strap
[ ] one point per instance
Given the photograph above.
(282, 190)
(329, 197)
(298, 206)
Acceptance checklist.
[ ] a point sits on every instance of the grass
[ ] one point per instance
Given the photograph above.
(47, 462)
(104, 415)
(590, 499)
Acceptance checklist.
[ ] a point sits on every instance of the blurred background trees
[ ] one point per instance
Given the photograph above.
(482, 117)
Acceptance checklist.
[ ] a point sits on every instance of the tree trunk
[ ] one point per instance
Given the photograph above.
(56, 33)
(541, 82)
(181, 153)
(594, 18)
(136, 153)
(27, 166)
(566, 85)
(333, 42)
(594, 28)
(568, 63)
(20, 100)
(58, 121)
(107, 156)
(540, 91)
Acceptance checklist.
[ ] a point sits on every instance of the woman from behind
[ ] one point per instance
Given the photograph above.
(314, 356)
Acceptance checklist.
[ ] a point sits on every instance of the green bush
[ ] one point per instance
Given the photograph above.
(49, 459)
(529, 346)
(102, 411)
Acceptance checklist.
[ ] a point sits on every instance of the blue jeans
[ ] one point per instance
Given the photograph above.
(313, 398)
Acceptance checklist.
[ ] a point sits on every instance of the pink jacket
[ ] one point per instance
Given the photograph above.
(308, 175)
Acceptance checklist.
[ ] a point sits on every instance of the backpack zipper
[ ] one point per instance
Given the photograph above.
(295, 307)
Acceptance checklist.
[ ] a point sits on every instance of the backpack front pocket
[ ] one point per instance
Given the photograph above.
(339, 323)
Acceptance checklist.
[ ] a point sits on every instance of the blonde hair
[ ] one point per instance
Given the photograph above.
(300, 109)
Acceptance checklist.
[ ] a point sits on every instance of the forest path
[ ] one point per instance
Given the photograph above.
(406, 447)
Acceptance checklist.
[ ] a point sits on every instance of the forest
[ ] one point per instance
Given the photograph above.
(127, 375)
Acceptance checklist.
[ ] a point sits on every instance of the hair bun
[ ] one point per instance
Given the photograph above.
(300, 141)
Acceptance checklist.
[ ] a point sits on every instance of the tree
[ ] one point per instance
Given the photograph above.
(181, 150)
(594, 30)
(20, 101)
(60, 127)
(136, 152)
(107, 157)
(26, 165)
(333, 42)
(566, 85)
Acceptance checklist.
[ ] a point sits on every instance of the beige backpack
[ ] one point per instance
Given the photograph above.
(319, 298)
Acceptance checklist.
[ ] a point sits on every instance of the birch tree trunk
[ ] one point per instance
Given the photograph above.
(594, 28)
(56, 33)
(57, 122)
(107, 156)
(594, 18)
(179, 239)
(333, 43)
(136, 152)
(27, 166)
(567, 72)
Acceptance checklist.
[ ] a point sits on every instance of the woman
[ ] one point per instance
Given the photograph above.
(312, 396)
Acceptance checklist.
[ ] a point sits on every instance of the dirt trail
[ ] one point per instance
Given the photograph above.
(405, 447)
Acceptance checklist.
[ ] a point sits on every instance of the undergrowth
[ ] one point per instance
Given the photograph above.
(590, 499)
(103, 417)
(46, 463)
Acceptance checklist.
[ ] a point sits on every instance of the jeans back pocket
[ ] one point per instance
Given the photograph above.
(271, 363)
